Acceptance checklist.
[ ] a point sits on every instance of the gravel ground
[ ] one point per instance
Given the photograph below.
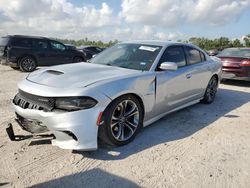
(200, 146)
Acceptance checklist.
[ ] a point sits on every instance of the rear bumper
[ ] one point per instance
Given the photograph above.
(232, 76)
(4, 61)
(240, 73)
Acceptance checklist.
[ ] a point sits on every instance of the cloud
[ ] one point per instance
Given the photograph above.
(54, 17)
(176, 12)
(169, 36)
(137, 19)
(151, 12)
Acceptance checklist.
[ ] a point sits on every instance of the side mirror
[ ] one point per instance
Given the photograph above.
(165, 66)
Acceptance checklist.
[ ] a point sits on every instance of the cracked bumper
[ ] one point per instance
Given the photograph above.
(72, 130)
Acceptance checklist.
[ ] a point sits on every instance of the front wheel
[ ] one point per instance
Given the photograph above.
(78, 59)
(27, 64)
(210, 91)
(122, 121)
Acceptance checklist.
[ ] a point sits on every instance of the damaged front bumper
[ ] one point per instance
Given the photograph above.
(72, 130)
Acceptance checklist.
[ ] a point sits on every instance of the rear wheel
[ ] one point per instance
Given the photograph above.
(27, 64)
(122, 121)
(210, 91)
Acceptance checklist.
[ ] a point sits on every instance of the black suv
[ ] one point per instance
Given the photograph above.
(90, 51)
(28, 52)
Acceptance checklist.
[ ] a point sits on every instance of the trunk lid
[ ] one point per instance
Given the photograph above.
(232, 61)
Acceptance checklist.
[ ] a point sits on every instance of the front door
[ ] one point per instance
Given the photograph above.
(174, 88)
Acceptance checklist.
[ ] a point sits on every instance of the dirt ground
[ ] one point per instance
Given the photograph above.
(200, 146)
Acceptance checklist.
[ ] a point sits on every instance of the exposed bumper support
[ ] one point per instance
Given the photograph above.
(13, 137)
(10, 132)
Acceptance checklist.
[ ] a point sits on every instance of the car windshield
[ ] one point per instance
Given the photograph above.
(130, 56)
(4, 41)
(235, 53)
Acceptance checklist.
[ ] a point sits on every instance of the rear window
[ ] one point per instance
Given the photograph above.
(194, 55)
(40, 44)
(4, 41)
(22, 42)
(203, 58)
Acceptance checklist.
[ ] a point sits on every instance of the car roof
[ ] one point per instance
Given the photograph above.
(26, 36)
(158, 42)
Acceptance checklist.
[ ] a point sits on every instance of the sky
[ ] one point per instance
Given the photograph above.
(126, 19)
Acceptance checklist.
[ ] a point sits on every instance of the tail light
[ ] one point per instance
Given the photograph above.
(245, 63)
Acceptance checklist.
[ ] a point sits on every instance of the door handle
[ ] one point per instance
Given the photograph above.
(188, 76)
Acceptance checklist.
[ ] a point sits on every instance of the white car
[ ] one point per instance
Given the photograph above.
(124, 88)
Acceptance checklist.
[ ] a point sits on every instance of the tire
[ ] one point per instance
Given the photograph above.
(27, 64)
(121, 126)
(211, 91)
(78, 59)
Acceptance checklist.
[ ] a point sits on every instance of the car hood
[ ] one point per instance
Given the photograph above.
(77, 75)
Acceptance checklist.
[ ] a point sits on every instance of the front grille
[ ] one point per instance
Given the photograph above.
(29, 101)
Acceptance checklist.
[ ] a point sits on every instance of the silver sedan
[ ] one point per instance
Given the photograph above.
(124, 88)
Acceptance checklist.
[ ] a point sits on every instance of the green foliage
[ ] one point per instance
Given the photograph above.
(204, 43)
(87, 42)
(247, 40)
(237, 43)
(219, 43)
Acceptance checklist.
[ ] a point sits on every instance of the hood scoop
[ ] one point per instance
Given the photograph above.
(54, 72)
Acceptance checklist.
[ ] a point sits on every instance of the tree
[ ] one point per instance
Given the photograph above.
(218, 43)
(236, 43)
(247, 40)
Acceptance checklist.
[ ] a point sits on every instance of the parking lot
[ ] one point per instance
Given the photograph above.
(200, 146)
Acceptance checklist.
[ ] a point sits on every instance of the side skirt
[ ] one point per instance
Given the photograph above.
(164, 114)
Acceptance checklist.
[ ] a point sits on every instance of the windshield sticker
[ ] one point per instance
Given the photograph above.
(143, 63)
(148, 48)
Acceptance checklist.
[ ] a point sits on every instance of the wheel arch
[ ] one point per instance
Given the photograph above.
(27, 55)
(216, 76)
(102, 132)
(133, 94)
(79, 56)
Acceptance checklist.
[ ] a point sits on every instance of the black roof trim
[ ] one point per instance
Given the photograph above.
(26, 36)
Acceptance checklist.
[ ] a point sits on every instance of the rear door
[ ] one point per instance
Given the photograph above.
(42, 51)
(200, 71)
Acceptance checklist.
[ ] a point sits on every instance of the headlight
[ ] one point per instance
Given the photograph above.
(75, 103)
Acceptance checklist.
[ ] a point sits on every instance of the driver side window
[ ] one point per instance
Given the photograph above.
(174, 54)
(57, 46)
